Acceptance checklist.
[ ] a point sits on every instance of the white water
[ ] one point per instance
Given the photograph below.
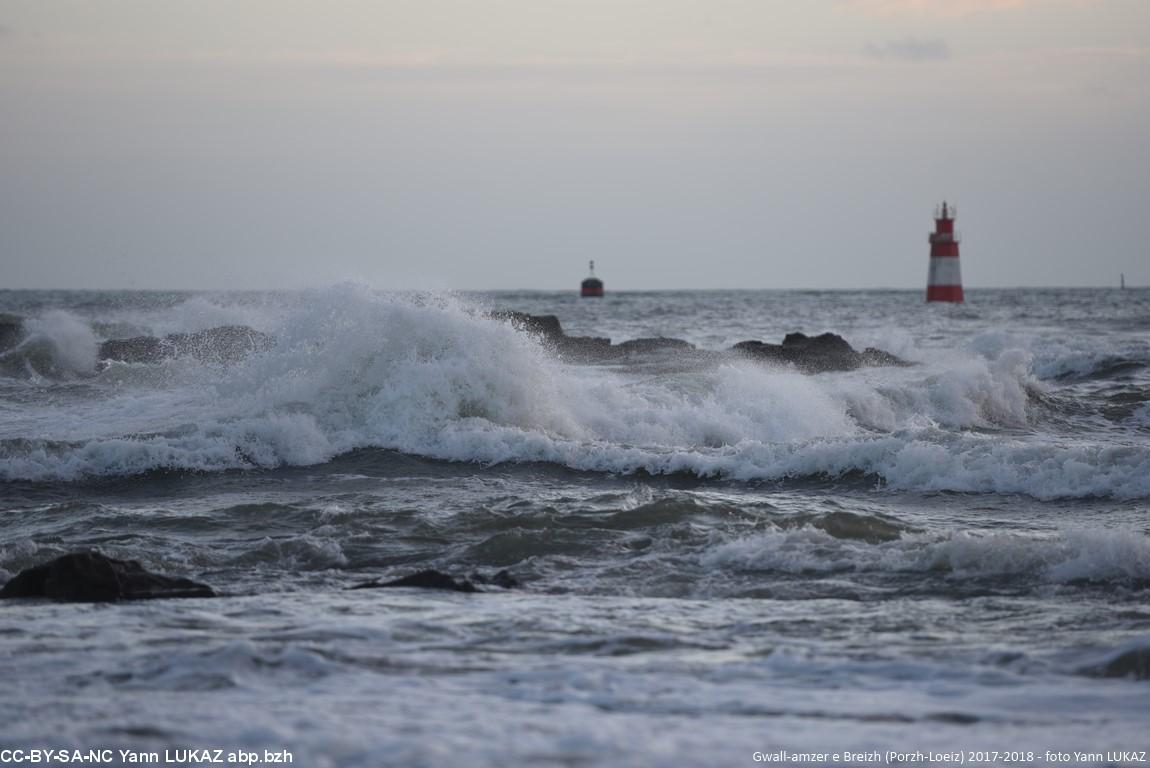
(433, 376)
(1074, 554)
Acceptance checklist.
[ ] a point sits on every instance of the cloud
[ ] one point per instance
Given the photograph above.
(945, 7)
(910, 49)
(446, 64)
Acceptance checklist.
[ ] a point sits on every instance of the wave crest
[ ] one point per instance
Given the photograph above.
(56, 344)
(1067, 557)
(434, 376)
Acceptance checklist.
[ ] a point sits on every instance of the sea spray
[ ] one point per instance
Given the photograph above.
(56, 344)
(432, 375)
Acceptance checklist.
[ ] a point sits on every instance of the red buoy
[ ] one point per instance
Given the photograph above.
(592, 286)
(944, 282)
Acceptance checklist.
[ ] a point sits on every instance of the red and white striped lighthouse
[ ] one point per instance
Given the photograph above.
(944, 283)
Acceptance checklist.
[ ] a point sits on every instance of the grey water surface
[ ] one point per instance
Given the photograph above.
(715, 560)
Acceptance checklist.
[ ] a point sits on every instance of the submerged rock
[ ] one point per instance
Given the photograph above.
(433, 579)
(89, 577)
(225, 344)
(428, 579)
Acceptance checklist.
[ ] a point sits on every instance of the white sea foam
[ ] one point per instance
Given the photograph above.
(1069, 555)
(56, 343)
(1141, 416)
(306, 674)
(432, 376)
(200, 312)
(305, 552)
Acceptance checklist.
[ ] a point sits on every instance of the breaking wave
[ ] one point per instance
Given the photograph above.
(434, 376)
(1089, 365)
(57, 344)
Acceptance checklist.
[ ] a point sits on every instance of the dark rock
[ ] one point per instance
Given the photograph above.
(89, 577)
(825, 352)
(138, 349)
(827, 343)
(550, 332)
(815, 354)
(761, 350)
(583, 348)
(226, 344)
(429, 579)
(547, 326)
(810, 354)
(878, 357)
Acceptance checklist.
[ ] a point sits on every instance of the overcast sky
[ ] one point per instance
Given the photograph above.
(483, 144)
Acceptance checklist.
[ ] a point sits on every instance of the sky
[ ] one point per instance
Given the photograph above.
(489, 144)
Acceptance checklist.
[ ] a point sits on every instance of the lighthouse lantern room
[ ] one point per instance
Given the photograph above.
(944, 283)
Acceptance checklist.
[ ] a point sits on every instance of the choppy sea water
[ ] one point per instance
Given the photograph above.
(716, 561)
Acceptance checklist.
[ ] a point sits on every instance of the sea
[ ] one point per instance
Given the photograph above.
(720, 564)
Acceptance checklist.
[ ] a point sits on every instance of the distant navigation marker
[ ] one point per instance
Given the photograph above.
(944, 283)
(592, 286)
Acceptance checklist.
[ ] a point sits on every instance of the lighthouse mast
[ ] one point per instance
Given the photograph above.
(944, 282)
